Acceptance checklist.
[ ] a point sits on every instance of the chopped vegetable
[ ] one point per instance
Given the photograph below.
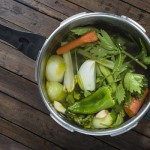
(143, 55)
(102, 114)
(87, 93)
(118, 115)
(83, 30)
(55, 91)
(99, 100)
(104, 122)
(87, 75)
(133, 82)
(55, 68)
(69, 78)
(87, 38)
(120, 93)
(82, 120)
(103, 61)
(106, 41)
(76, 95)
(59, 107)
(103, 84)
(135, 104)
(106, 72)
(118, 121)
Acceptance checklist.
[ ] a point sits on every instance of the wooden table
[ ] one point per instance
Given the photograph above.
(24, 120)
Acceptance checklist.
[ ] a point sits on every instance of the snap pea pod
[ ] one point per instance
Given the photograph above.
(99, 100)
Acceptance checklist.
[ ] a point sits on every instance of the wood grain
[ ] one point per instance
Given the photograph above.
(43, 126)
(9, 144)
(143, 127)
(27, 18)
(144, 5)
(117, 7)
(63, 6)
(43, 8)
(21, 89)
(129, 140)
(15, 61)
(11, 87)
(25, 137)
(20, 101)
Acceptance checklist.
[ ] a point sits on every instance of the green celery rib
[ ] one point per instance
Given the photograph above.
(137, 61)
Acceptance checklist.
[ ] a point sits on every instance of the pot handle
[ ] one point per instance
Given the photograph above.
(26, 42)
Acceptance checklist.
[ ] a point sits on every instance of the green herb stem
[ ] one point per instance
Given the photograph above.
(137, 61)
(76, 59)
(105, 62)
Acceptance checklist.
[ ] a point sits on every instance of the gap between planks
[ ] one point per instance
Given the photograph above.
(25, 137)
(29, 96)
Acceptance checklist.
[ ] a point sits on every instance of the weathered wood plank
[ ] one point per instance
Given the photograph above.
(129, 140)
(25, 137)
(33, 99)
(117, 7)
(12, 25)
(21, 89)
(15, 61)
(144, 4)
(9, 144)
(63, 6)
(42, 125)
(113, 143)
(37, 5)
(27, 18)
(143, 127)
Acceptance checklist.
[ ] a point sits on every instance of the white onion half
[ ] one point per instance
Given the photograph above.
(87, 75)
(55, 68)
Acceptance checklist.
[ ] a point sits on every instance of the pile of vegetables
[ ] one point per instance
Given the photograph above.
(92, 79)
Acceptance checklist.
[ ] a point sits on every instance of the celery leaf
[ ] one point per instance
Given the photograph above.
(133, 82)
(120, 93)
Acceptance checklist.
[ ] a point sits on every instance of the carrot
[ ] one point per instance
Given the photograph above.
(87, 38)
(135, 104)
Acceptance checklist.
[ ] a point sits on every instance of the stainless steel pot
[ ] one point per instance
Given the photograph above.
(121, 22)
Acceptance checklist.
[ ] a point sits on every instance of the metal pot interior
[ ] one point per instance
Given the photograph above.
(105, 21)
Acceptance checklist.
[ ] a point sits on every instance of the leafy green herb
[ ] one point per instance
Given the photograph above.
(103, 61)
(119, 41)
(119, 67)
(83, 120)
(106, 42)
(76, 95)
(135, 59)
(87, 93)
(143, 55)
(70, 99)
(118, 121)
(83, 30)
(133, 82)
(113, 69)
(128, 98)
(120, 93)
(119, 112)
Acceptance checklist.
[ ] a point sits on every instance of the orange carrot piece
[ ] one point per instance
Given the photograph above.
(87, 38)
(135, 104)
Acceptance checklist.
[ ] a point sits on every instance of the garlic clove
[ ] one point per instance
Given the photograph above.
(102, 114)
(59, 107)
